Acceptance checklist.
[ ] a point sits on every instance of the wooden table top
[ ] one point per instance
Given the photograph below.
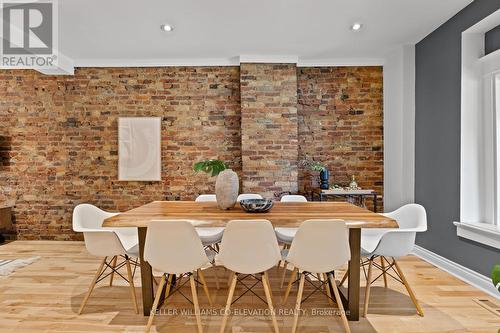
(283, 214)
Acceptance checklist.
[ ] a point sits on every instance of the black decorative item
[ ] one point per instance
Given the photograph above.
(256, 205)
(324, 179)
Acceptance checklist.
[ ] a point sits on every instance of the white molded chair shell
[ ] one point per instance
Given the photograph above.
(249, 247)
(209, 235)
(206, 198)
(173, 247)
(320, 246)
(101, 241)
(105, 243)
(293, 198)
(246, 196)
(87, 217)
(399, 242)
(285, 235)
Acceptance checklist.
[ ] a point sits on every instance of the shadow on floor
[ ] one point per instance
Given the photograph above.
(387, 301)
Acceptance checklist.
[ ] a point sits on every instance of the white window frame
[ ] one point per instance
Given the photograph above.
(480, 137)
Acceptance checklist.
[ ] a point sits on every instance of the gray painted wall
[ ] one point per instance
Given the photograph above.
(492, 40)
(437, 139)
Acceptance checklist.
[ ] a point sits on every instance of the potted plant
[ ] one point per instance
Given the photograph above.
(495, 276)
(226, 184)
(324, 175)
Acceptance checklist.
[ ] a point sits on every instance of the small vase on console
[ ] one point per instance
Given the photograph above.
(227, 188)
(324, 177)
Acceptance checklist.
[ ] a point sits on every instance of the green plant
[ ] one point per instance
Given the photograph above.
(211, 167)
(495, 276)
(317, 166)
(312, 165)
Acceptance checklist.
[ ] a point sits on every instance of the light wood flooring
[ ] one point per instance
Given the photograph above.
(45, 297)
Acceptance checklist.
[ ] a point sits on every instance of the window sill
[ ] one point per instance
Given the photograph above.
(483, 233)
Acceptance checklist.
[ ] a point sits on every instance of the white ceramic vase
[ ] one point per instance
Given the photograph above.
(227, 188)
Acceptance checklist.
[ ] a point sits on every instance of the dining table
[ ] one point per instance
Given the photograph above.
(282, 214)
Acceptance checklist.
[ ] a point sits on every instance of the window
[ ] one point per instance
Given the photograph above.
(480, 137)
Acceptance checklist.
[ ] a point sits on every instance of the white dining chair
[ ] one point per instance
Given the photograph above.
(293, 198)
(249, 247)
(318, 248)
(285, 235)
(389, 244)
(104, 243)
(246, 196)
(176, 236)
(209, 235)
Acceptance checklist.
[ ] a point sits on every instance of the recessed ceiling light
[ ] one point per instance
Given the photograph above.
(356, 26)
(166, 27)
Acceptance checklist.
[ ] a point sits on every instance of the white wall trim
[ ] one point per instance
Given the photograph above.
(233, 61)
(399, 127)
(269, 59)
(341, 62)
(463, 273)
(157, 62)
(484, 233)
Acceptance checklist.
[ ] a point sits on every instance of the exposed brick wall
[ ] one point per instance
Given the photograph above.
(269, 142)
(61, 136)
(58, 134)
(341, 123)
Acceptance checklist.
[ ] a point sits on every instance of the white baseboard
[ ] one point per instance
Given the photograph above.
(463, 273)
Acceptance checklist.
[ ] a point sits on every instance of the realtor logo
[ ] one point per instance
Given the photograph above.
(28, 33)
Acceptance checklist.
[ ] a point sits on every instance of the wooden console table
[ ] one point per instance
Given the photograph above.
(349, 194)
(5, 219)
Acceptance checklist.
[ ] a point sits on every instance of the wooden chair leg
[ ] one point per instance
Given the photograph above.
(367, 289)
(196, 304)
(382, 264)
(92, 285)
(322, 277)
(298, 302)
(284, 274)
(267, 290)
(229, 301)
(290, 284)
(155, 303)
(269, 287)
(231, 275)
(169, 285)
(340, 305)
(132, 287)
(113, 265)
(410, 291)
(205, 287)
(344, 278)
(216, 276)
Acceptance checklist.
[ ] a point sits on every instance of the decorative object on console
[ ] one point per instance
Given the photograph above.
(227, 184)
(353, 185)
(256, 205)
(139, 148)
(324, 175)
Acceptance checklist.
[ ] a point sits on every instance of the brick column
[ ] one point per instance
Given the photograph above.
(269, 128)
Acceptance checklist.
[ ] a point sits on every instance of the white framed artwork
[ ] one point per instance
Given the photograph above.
(139, 148)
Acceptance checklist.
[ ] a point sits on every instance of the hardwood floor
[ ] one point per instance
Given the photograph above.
(45, 297)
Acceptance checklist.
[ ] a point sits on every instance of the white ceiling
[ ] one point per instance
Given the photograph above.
(127, 32)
